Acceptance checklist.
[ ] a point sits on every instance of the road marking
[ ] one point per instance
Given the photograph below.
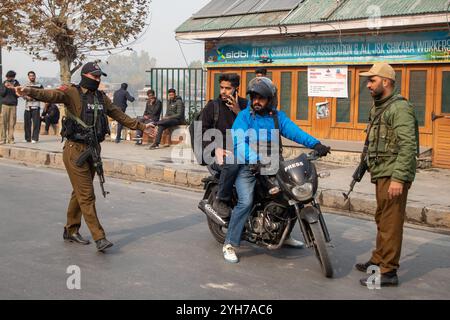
(224, 286)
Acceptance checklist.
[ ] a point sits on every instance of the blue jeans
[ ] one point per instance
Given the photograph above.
(228, 174)
(245, 188)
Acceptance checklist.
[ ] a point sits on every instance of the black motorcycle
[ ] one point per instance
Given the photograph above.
(280, 200)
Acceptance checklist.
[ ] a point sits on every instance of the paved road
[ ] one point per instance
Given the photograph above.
(163, 250)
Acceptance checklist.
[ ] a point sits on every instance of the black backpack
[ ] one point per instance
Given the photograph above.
(198, 141)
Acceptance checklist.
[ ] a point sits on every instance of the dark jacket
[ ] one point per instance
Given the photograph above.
(224, 122)
(175, 109)
(153, 111)
(9, 96)
(121, 97)
(52, 112)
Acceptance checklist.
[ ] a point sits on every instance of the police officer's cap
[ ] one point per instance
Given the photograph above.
(92, 68)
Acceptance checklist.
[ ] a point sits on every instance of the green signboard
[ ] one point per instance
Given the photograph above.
(417, 47)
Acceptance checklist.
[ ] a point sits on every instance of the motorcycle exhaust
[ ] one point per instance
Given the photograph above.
(283, 237)
(211, 213)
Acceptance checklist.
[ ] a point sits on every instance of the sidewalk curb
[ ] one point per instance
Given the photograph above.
(432, 216)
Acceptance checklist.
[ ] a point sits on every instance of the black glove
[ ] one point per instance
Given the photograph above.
(322, 150)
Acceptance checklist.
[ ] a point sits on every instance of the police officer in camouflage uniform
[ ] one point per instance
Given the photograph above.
(393, 137)
(84, 104)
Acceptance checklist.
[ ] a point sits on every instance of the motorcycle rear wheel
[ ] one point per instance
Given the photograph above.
(320, 249)
(219, 233)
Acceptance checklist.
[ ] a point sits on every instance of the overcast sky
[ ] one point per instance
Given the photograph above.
(159, 41)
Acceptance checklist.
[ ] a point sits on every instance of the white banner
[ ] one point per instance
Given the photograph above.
(328, 82)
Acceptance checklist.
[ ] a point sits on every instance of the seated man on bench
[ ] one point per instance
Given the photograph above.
(50, 115)
(152, 113)
(174, 117)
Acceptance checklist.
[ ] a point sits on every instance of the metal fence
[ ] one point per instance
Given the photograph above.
(190, 84)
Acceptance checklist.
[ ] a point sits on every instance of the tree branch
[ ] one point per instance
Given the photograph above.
(78, 66)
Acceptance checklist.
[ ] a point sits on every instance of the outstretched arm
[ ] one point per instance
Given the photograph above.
(45, 95)
(117, 114)
(291, 131)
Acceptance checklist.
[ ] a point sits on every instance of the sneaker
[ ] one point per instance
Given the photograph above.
(138, 141)
(291, 242)
(221, 207)
(154, 146)
(33, 141)
(229, 254)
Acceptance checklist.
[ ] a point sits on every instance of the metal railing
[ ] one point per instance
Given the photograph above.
(190, 84)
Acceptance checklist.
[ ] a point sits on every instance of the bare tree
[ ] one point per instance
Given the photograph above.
(71, 30)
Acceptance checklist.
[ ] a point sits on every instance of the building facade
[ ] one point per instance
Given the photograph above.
(315, 50)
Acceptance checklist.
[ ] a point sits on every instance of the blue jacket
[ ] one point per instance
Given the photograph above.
(247, 120)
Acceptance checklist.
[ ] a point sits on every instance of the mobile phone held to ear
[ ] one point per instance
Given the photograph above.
(231, 96)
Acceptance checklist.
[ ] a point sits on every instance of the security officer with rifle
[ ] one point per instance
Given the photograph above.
(390, 151)
(84, 127)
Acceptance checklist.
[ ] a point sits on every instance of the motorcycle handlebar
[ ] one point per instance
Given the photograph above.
(313, 155)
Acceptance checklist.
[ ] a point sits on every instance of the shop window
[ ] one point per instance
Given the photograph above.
(343, 105)
(216, 85)
(286, 92)
(302, 96)
(251, 75)
(398, 81)
(418, 93)
(365, 101)
(445, 92)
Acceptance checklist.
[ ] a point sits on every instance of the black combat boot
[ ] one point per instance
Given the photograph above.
(75, 237)
(388, 279)
(363, 266)
(103, 244)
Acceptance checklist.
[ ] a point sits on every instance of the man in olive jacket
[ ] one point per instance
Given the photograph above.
(393, 146)
(174, 116)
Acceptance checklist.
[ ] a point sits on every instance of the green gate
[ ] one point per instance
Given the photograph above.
(190, 84)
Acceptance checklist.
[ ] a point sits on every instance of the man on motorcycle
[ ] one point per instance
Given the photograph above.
(260, 116)
(227, 105)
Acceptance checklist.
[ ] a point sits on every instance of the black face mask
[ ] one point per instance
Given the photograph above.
(89, 83)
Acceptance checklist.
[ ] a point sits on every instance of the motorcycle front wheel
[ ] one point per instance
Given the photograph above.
(320, 248)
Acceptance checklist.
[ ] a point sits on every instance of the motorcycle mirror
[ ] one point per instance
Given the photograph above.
(324, 174)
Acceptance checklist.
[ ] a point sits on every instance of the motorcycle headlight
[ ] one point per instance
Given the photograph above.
(303, 192)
